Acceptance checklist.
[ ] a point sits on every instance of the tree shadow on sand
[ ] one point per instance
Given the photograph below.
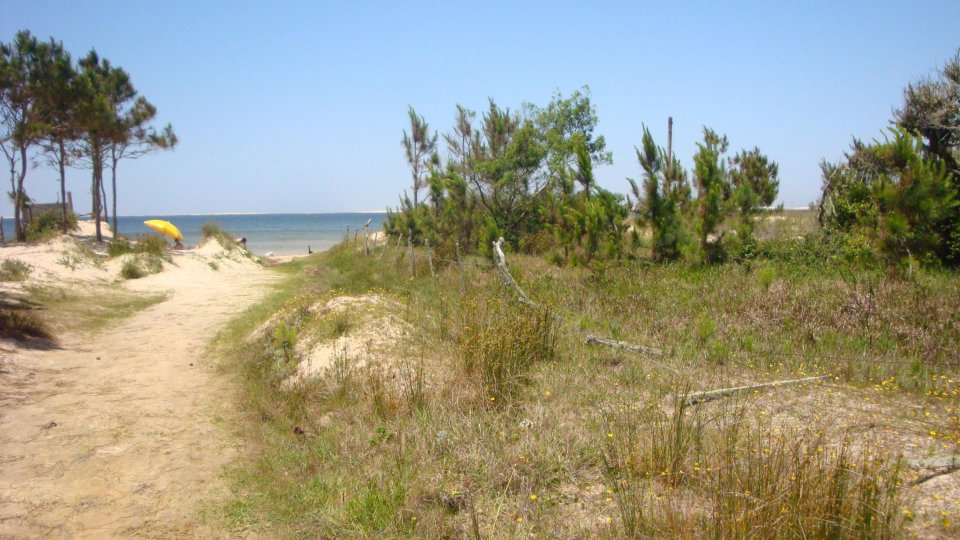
(20, 325)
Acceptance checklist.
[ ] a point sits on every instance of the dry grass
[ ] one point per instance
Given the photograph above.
(588, 442)
(87, 309)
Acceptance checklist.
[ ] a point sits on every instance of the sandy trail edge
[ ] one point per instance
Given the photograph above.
(136, 447)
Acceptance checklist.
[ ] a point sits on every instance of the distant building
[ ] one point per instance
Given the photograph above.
(31, 209)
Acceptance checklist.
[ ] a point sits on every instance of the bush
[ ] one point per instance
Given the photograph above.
(152, 244)
(141, 265)
(19, 324)
(758, 481)
(119, 246)
(48, 225)
(14, 270)
(499, 342)
(131, 269)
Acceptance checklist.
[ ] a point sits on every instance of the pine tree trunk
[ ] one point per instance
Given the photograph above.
(63, 184)
(113, 174)
(18, 213)
(97, 180)
(103, 198)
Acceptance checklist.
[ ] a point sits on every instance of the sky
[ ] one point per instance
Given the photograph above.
(299, 107)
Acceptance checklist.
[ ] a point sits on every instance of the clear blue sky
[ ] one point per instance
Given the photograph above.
(299, 107)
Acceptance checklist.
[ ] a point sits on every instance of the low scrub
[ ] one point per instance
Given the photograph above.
(141, 265)
(49, 225)
(14, 270)
(218, 233)
(499, 342)
(743, 477)
(502, 422)
(151, 244)
(21, 324)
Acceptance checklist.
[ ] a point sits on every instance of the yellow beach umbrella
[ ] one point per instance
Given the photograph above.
(165, 227)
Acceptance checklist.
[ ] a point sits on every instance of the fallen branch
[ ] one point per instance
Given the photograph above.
(936, 462)
(502, 265)
(702, 397)
(595, 340)
(941, 464)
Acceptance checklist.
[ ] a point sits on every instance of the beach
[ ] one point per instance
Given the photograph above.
(120, 431)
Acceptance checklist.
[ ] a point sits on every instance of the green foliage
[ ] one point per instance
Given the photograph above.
(754, 184)
(152, 244)
(14, 270)
(285, 341)
(664, 193)
(119, 246)
(141, 265)
(420, 150)
(931, 109)
(47, 225)
(901, 199)
(713, 186)
(514, 175)
(131, 269)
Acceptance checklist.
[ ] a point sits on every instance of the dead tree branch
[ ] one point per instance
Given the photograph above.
(623, 345)
(703, 397)
(941, 464)
(502, 265)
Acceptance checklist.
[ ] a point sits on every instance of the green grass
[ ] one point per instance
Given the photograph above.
(88, 309)
(581, 441)
(14, 270)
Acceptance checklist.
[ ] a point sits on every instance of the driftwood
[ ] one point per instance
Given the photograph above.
(386, 240)
(595, 340)
(429, 257)
(502, 265)
(941, 465)
(463, 275)
(413, 267)
(702, 397)
(366, 237)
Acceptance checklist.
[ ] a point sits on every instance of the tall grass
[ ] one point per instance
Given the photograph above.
(14, 270)
(498, 342)
(578, 442)
(742, 477)
(215, 232)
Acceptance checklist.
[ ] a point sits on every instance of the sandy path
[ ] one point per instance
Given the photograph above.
(136, 446)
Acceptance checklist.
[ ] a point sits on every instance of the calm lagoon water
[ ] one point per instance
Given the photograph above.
(282, 234)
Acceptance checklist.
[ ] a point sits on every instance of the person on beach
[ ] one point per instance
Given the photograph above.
(178, 245)
(242, 242)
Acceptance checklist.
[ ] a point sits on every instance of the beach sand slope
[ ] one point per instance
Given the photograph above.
(117, 434)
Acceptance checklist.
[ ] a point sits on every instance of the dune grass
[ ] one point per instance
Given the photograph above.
(87, 309)
(501, 422)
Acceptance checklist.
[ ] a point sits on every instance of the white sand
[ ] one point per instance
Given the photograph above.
(115, 434)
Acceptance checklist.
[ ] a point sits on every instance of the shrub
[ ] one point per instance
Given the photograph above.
(20, 324)
(14, 270)
(131, 269)
(152, 244)
(498, 342)
(772, 485)
(48, 225)
(141, 265)
(758, 481)
(119, 246)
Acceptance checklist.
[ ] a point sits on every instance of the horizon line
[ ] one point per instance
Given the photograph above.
(257, 213)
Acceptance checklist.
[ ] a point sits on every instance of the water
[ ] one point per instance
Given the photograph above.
(281, 234)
